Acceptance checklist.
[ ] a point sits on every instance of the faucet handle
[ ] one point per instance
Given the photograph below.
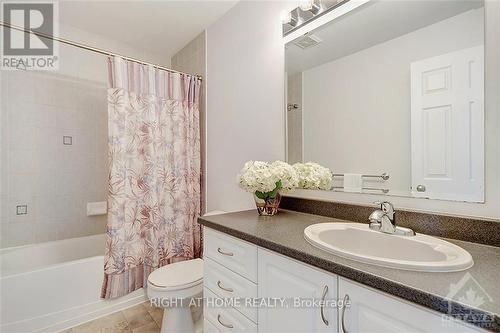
(385, 206)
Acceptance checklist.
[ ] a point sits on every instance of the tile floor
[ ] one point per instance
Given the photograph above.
(142, 318)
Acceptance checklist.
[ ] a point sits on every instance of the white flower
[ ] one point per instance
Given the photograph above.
(313, 176)
(263, 177)
(287, 174)
(256, 176)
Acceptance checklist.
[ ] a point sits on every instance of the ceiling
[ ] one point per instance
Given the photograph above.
(157, 27)
(369, 25)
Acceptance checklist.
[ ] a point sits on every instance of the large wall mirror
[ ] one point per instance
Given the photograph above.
(390, 97)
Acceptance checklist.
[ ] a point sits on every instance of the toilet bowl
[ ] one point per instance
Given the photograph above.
(174, 288)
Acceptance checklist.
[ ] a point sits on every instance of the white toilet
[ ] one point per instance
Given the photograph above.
(172, 287)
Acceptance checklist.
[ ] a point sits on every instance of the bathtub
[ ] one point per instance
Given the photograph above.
(52, 286)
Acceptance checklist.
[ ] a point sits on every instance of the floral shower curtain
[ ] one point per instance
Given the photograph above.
(154, 177)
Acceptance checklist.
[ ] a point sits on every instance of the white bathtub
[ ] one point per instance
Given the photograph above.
(52, 286)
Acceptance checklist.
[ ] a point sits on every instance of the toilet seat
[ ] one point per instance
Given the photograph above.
(179, 275)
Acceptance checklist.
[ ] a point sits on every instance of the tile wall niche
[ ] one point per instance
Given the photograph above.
(53, 157)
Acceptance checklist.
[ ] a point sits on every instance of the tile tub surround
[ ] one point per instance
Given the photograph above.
(54, 136)
(460, 228)
(284, 233)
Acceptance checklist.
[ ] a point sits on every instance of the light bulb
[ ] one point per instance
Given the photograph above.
(289, 18)
(312, 6)
(306, 5)
(286, 17)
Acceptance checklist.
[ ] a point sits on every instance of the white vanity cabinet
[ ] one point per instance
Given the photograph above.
(237, 269)
(371, 311)
(286, 279)
(229, 272)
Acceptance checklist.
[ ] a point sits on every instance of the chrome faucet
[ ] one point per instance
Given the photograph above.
(384, 220)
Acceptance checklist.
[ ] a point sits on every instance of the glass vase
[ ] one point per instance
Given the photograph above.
(268, 207)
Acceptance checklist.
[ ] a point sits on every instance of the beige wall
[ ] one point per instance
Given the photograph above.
(245, 97)
(491, 207)
(92, 66)
(192, 59)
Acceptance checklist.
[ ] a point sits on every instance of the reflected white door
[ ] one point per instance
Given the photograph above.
(447, 126)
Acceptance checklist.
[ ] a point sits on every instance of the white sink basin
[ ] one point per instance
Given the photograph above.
(417, 253)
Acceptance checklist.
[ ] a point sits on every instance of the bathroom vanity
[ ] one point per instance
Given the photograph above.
(266, 259)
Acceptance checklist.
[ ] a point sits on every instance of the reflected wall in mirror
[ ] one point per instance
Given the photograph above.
(392, 87)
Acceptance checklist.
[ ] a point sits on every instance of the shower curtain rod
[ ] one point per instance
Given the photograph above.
(93, 49)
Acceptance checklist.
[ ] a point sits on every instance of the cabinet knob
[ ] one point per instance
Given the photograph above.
(230, 254)
(421, 188)
(225, 325)
(344, 303)
(219, 284)
(325, 291)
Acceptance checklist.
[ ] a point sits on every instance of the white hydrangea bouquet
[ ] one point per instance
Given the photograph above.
(313, 176)
(267, 181)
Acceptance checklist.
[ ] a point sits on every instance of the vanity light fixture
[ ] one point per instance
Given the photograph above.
(307, 11)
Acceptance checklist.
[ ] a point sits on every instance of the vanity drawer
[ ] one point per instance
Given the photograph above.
(235, 254)
(226, 319)
(227, 284)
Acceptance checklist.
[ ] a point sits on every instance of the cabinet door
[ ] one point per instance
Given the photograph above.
(371, 311)
(284, 278)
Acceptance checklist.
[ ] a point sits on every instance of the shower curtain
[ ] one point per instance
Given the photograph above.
(154, 173)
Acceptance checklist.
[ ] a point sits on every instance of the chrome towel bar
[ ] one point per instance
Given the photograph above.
(384, 176)
(383, 190)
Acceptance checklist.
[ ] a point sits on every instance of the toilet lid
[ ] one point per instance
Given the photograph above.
(179, 274)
